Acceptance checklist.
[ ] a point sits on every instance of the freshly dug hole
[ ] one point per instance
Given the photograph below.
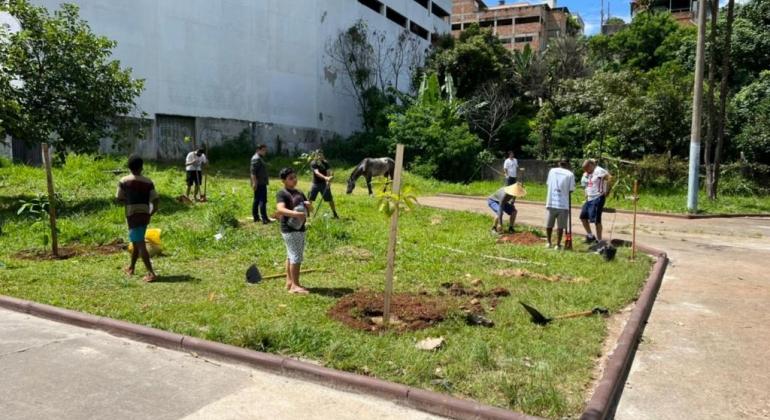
(413, 311)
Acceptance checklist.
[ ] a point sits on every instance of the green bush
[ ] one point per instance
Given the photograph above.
(239, 147)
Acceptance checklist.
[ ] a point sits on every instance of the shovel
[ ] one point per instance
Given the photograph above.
(540, 319)
(205, 178)
(568, 238)
(253, 275)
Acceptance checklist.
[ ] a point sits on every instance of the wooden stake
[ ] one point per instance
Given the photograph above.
(633, 234)
(51, 199)
(396, 189)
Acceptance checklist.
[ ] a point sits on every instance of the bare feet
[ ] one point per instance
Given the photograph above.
(149, 278)
(129, 271)
(298, 290)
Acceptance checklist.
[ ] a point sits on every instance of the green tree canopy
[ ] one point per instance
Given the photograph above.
(476, 58)
(640, 45)
(58, 81)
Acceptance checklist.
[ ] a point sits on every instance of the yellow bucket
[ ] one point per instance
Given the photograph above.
(152, 238)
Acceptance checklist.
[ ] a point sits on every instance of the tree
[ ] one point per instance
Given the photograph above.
(638, 45)
(434, 132)
(58, 81)
(712, 181)
(751, 119)
(476, 58)
(751, 44)
(489, 110)
(373, 66)
(542, 126)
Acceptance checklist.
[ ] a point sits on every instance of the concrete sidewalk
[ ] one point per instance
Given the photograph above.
(57, 371)
(705, 353)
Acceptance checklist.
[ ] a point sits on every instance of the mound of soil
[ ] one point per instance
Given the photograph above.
(70, 251)
(459, 289)
(362, 310)
(523, 238)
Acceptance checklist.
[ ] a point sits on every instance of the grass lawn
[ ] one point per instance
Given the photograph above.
(516, 364)
(655, 200)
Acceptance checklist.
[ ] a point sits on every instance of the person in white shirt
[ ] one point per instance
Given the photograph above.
(194, 163)
(596, 181)
(511, 168)
(561, 183)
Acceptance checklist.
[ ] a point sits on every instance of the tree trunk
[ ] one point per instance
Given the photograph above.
(723, 92)
(713, 123)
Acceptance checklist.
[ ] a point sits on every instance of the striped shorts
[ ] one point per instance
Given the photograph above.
(295, 246)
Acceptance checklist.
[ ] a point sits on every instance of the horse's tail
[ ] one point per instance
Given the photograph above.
(391, 168)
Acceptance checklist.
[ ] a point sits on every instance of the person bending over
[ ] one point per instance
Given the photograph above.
(503, 202)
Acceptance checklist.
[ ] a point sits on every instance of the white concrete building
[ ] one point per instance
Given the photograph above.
(214, 68)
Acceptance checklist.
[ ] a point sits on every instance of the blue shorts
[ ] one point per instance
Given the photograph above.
(137, 234)
(592, 210)
(495, 206)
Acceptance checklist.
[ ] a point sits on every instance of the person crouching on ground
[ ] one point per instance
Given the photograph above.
(138, 194)
(194, 163)
(503, 202)
(322, 182)
(293, 207)
(561, 183)
(596, 181)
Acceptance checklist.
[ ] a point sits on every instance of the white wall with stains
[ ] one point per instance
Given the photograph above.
(259, 61)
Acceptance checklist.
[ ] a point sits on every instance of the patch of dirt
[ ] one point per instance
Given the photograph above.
(413, 311)
(354, 252)
(522, 238)
(71, 251)
(522, 272)
(459, 289)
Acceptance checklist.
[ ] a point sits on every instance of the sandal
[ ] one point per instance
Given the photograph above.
(299, 291)
(150, 278)
(128, 271)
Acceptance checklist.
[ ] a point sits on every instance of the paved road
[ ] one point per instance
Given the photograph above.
(50, 370)
(706, 349)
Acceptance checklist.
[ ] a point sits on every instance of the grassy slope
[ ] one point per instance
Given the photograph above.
(541, 371)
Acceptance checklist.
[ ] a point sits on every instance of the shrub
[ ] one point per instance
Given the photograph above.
(222, 214)
(234, 148)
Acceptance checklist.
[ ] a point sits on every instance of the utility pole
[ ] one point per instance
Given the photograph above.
(697, 105)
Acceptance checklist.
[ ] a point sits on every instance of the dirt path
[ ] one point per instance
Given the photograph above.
(706, 349)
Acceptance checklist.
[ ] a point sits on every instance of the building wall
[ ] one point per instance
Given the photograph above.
(512, 22)
(253, 63)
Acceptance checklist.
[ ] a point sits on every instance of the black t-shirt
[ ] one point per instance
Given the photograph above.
(291, 199)
(322, 167)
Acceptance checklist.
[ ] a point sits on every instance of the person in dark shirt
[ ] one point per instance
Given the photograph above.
(138, 194)
(259, 182)
(293, 207)
(322, 182)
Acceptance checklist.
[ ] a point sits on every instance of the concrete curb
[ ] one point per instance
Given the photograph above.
(606, 396)
(642, 213)
(601, 406)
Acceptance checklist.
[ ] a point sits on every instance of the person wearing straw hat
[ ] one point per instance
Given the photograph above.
(503, 202)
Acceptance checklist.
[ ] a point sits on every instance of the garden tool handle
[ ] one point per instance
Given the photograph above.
(575, 315)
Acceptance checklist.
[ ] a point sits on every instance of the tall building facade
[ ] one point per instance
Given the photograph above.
(516, 24)
(215, 69)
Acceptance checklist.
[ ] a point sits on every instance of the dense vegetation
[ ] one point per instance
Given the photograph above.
(625, 96)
